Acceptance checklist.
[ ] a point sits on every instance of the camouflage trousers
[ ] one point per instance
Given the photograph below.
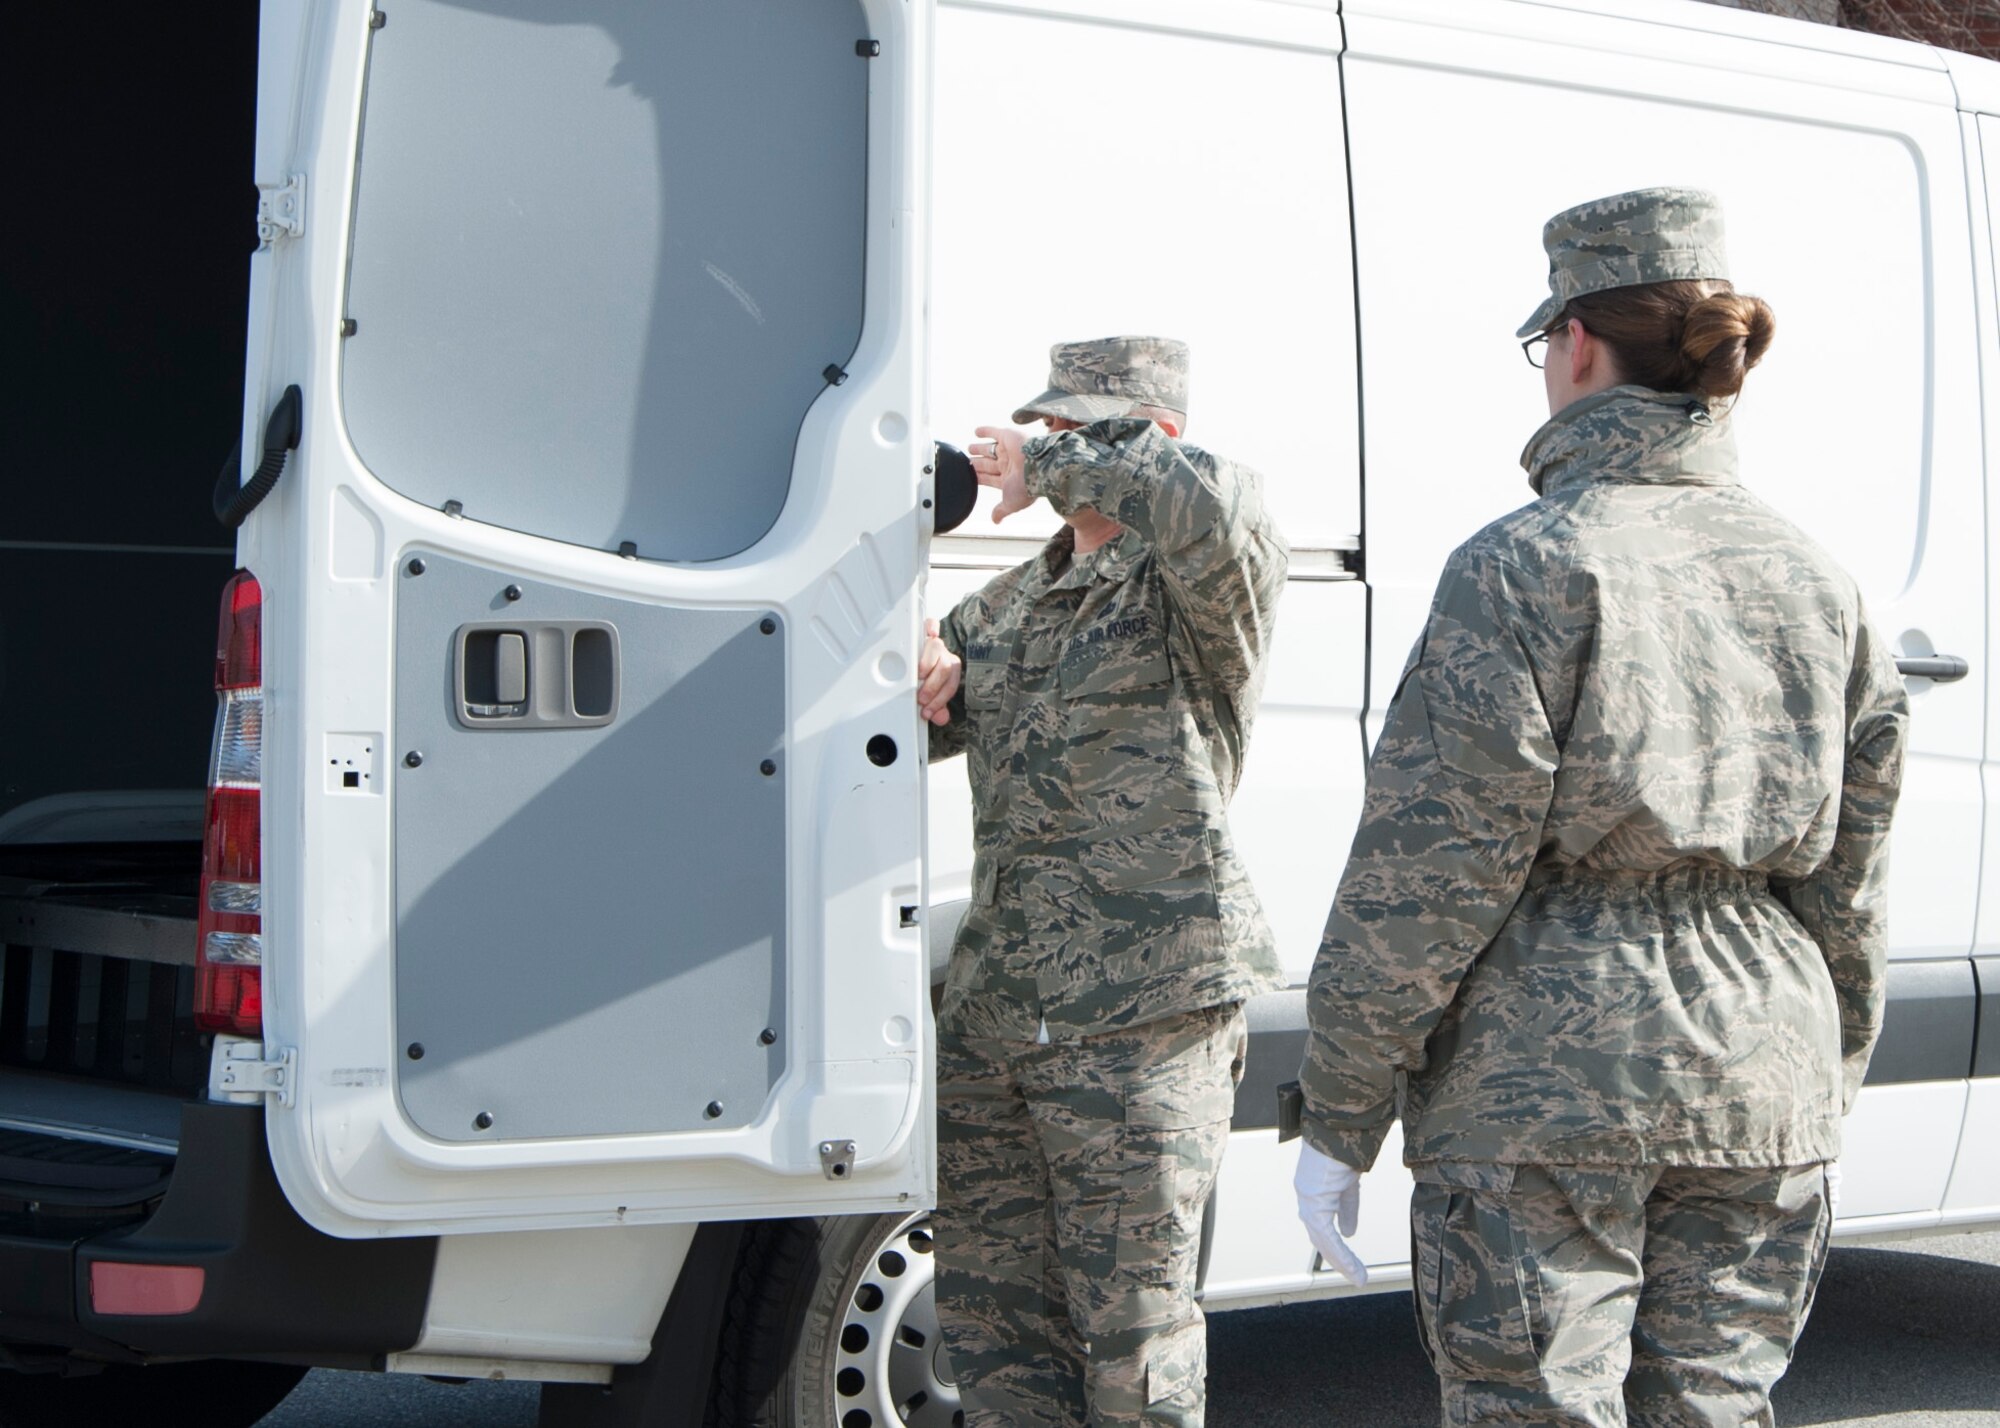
(1662, 1296)
(1072, 1177)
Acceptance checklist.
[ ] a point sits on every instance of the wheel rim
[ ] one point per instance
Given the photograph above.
(891, 1368)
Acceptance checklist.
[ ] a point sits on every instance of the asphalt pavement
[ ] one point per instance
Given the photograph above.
(1906, 1336)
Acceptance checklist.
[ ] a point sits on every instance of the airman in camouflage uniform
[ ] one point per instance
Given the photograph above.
(1091, 1031)
(1613, 923)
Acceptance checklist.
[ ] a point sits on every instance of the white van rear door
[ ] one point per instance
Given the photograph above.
(593, 782)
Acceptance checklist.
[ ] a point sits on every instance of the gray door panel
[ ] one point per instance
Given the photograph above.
(604, 256)
(590, 919)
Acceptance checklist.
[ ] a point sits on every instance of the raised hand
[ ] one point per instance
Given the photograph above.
(1003, 468)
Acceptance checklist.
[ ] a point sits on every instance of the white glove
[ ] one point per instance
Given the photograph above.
(1328, 1192)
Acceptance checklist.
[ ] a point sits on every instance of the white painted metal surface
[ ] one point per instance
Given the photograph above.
(588, 1296)
(1082, 206)
(326, 546)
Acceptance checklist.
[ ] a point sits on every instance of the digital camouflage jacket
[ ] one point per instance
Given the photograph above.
(1617, 896)
(1104, 710)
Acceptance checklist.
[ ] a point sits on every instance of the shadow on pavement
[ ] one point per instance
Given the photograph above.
(1897, 1332)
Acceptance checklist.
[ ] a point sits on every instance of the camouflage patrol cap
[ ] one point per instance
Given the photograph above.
(1649, 235)
(1109, 376)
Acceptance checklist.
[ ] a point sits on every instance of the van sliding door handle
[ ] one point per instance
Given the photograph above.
(1941, 668)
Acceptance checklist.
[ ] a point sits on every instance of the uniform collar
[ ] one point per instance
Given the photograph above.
(1633, 434)
(1111, 561)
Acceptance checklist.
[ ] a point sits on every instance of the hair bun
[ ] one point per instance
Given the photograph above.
(1724, 336)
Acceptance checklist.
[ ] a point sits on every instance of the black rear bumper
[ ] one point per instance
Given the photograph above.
(273, 1285)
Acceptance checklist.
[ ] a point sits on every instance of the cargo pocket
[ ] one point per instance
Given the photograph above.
(1151, 1237)
(1172, 1142)
(1477, 1287)
(985, 879)
(1177, 1367)
(1822, 1239)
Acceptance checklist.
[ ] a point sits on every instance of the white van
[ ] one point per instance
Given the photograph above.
(547, 995)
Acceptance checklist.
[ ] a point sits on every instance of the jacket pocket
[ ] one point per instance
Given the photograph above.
(985, 683)
(1153, 901)
(1114, 668)
(1174, 857)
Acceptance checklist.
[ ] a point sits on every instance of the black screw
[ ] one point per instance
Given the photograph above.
(512, 592)
(348, 327)
(767, 1036)
(712, 1109)
(629, 549)
(881, 751)
(454, 509)
(767, 625)
(483, 1121)
(416, 565)
(927, 503)
(834, 374)
(412, 759)
(376, 19)
(416, 1051)
(868, 49)
(768, 767)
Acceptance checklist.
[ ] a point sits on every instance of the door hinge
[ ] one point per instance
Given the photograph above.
(281, 211)
(241, 1073)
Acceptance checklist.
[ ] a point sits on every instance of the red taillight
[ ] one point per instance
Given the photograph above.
(229, 990)
(239, 638)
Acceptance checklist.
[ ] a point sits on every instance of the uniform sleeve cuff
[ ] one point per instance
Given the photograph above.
(1034, 470)
(1357, 1148)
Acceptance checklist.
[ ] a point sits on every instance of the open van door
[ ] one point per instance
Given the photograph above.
(591, 775)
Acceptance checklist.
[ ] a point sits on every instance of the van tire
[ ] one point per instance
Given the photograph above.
(216, 1393)
(831, 1324)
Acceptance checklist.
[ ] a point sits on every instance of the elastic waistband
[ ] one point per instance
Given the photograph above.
(1686, 879)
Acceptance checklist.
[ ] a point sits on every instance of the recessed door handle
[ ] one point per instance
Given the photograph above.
(510, 669)
(1941, 668)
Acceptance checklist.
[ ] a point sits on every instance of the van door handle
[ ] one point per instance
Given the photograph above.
(536, 674)
(1942, 668)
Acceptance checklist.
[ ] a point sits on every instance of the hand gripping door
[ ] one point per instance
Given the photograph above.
(594, 779)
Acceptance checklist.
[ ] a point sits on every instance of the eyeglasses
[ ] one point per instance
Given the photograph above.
(1536, 348)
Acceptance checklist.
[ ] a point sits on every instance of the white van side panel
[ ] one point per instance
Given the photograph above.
(1261, 1254)
(1220, 218)
(1469, 124)
(1975, 1180)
